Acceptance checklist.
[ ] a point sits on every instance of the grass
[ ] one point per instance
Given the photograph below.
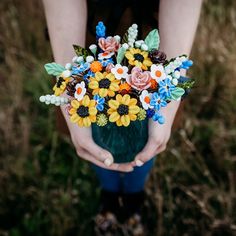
(46, 190)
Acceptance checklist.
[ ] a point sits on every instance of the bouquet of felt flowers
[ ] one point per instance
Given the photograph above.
(118, 80)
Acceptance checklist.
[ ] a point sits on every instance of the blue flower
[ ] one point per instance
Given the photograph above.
(100, 102)
(82, 68)
(88, 75)
(150, 113)
(165, 88)
(157, 101)
(105, 62)
(186, 64)
(158, 117)
(100, 30)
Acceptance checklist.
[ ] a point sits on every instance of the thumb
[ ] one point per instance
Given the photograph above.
(146, 154)
(99, 153)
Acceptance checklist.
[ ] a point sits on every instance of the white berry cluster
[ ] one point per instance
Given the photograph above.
(132, 34)
(55, 100)
(170, 68)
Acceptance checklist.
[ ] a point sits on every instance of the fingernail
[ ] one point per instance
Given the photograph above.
(139, 163)
(108, 162)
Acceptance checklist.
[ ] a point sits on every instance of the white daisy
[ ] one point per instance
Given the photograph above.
(158, 72)
(145, 99)
(120, 71)
(105, 55)
(80, 91)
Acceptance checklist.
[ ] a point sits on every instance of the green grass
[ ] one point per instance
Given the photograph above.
(45, 189)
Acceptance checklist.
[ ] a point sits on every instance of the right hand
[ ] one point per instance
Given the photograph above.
(87, 149)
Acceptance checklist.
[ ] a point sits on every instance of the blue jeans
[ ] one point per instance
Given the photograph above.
(130, 182)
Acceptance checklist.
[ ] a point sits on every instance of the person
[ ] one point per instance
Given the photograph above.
(66, 22)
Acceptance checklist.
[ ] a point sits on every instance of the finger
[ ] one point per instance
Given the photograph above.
(115, 166)
(147, 153)
(99, 153)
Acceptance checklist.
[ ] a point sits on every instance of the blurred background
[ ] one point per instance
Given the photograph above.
(45, 189)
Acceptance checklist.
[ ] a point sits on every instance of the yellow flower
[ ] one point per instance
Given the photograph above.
(123, 110)
(104, 84)
(83, 112)
(60, 86)
(138, 58)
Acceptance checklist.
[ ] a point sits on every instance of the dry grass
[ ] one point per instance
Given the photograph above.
(46, 190)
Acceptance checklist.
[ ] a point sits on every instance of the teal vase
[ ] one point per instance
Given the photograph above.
(123, 142)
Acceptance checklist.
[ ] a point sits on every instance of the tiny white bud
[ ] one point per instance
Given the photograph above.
(134, 26)
(117, 38)
(80, 59)
(68, 66)
(53, 100)
(137, 44)
(130, 44)
(42, 99)
(47, 98)
(47, 102)
(89, 59)
(66, 74)
(144, 47)
(125, 46)
(74, 59)
(174, 82)
(131, 40)
(177, 74)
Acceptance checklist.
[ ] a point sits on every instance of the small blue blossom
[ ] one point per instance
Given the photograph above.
(105, 62)
(88, 75)
(82, 68)
(165, 88)
(158, 117)
(186, 64)
(157, 101)
(100, 30)
(100, 102)
(150, 113)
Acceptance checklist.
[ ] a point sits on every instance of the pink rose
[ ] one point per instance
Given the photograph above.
(138, 79)
(109, 44)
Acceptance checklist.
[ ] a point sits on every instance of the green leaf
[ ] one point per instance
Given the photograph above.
(54, 68)
(120, 55)
(177, 93)
(80, 51)
(152, 40)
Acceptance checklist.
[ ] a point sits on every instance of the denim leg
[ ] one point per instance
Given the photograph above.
(134, 181)
(109, 180)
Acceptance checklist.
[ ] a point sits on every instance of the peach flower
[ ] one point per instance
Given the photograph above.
(138, 79)
(109, 44)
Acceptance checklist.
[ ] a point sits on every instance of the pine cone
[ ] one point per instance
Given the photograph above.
(157, 56)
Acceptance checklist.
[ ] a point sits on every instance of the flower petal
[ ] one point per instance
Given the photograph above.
(125, 120)
(86, 122)
(113, 104)
(99, 76)
(74, 118)
(118, 122)
(134, 109)
(103, 92)
(86, 101)
(132, 117)
(75, 104)
(114, 117)
(119, 98)
(93, 84)
(133, 101)
(126, 99)
(92, 111)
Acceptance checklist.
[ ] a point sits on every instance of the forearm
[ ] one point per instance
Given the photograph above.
(66, 22)
(178, 22)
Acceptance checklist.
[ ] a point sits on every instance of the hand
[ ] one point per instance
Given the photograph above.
(159, 135)
(87, 149)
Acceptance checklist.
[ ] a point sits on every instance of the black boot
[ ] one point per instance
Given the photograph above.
(106, 221)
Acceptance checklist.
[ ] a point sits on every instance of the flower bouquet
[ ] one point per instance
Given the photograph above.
(116, 85)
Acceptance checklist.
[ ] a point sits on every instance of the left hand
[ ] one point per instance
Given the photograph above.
(159, 135)
(158, 138)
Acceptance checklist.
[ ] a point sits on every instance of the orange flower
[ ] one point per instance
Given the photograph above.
(153, 84)
(124, 88)
(96, 66)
